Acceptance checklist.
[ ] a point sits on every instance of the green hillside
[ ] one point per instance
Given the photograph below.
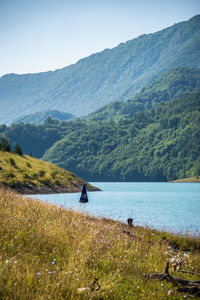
(170, 85)
(28, 175)
(103, 77)
(158, 145)
(38, 138)
(40, 116)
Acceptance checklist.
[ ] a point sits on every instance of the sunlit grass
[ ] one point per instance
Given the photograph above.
(47, 252)
(16, 171)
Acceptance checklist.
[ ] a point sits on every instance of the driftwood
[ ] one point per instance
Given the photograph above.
(192, 287)
(94, 287)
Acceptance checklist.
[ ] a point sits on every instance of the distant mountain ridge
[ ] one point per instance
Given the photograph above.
(112, 74)
(40, 116)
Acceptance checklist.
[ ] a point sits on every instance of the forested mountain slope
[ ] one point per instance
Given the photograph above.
(170, 85)
(162, 144)
(36, 139)
(103, 77)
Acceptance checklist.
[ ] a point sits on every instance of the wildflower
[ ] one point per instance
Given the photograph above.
(169, 292)
(138, 287)
(38, 273)
(185, 296)
(162, 284)
(53, 262)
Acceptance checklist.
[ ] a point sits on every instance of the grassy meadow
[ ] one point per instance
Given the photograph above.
(47, 252)
(30, 175)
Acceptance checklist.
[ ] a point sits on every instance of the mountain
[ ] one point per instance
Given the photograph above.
(110, 75)
(37, 139)
(157, 145)
(29, 175)
(40, 116)
(170, 85)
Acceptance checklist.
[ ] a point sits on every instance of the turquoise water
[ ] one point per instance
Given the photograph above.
(165, 206)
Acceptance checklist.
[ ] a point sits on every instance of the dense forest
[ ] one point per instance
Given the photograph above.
(170, 85)
(36, 139)
(161, 144)
(110, 75)
(121, 142)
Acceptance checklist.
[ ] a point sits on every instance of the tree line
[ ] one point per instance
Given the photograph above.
(5, 146)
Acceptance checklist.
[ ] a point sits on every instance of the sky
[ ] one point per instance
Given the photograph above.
(43, 35)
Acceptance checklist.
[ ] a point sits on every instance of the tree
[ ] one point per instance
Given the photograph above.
(5, 145)
(18, 150)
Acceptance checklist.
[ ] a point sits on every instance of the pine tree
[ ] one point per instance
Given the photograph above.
(18, 150)
(5, 145)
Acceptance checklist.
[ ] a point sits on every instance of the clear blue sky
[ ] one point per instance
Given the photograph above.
(42, 35)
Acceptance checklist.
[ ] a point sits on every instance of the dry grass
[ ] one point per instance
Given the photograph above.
(47, 252)
(189, 179)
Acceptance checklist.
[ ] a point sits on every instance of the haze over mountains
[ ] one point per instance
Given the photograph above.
(112, 74)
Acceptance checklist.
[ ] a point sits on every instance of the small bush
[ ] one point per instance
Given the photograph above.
(41, 173)
(57, 182)
(12, 162)
(35, 176)
(45, 181)
(10, 175)
(26, 175)
(53, 174)
(28, 165)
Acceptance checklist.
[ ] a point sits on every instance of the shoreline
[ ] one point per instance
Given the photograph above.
(40, 190)
(49, 252)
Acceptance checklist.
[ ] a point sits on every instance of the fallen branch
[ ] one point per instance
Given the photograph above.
(189, 272)
(192, 287)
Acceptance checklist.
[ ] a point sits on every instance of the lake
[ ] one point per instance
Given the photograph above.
(166, 206)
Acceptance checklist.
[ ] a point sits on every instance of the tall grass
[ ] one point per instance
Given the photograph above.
(47, 252)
